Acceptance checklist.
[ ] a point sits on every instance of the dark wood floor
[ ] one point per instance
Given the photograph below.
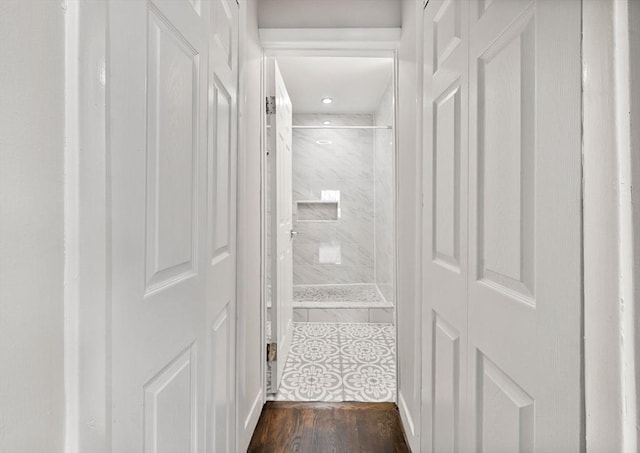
(328, 428)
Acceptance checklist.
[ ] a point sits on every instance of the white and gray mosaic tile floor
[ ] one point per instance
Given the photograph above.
(339, 296)
(337, 362)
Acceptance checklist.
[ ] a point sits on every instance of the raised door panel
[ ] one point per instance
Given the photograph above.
(446, 177)
(170, 401)
(524, 220)
(172, 154)
(224, 42)
(446, 387)
(219, 174)
(446, 31)
(223, 29)
(504, 410)
(506, 160)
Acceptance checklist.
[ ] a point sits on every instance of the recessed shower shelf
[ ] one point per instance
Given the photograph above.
(317, 211)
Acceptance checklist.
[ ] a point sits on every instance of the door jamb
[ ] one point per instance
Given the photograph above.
(87, 232)
(611, 237)
(369, 42)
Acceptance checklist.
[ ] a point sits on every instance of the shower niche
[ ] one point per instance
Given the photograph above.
(317, 211)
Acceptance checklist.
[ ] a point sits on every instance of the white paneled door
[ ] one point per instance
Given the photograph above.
(502, 226)
(172, 137)
(446, 102)
(221, 225)
(280, 122)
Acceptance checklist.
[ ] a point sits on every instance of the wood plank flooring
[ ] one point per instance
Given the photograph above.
(328, 427)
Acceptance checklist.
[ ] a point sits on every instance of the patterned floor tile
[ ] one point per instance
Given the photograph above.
(315, 330)
(308, 381)
(370, 382)
(365, 350)
(340, 362)
(355, 331)
(321, 350)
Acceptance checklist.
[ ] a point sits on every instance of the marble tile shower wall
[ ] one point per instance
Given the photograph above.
(383, 198)
(341, 251)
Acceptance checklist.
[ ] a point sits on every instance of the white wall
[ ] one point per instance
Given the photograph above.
(328, 13)
(345, 165)
(408, 272)
(249, 330)
(31, 226)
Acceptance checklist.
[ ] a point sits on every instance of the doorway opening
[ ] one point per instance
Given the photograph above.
(329, 227)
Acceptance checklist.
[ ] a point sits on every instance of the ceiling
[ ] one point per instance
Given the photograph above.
(356, 84)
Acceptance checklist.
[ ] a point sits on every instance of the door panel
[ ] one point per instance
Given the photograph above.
(446, 386)
(172, 145)
(157, 118)
(506, 160)
(502, 269)
(172, 292)
(170, 406)
(221, 234)
(445, 116)
(220, 173)
(282, 222)
(505, 411)
(524, 212)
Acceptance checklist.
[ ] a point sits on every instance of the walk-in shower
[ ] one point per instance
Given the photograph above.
(343, 212)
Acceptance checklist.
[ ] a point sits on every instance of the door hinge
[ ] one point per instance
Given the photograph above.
(271, 105)
(272, 352)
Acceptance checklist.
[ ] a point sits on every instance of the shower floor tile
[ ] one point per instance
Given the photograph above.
(338, 296)
(336, 362)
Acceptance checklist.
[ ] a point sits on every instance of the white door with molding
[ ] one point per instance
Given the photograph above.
(221, 225)
(172, 103)
(445, 169)
(282, 234)
(502, 226)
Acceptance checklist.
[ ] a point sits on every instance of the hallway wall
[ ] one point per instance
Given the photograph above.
(32, 108)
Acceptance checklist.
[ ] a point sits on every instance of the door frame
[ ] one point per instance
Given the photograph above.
(611, 230)
(310, 42)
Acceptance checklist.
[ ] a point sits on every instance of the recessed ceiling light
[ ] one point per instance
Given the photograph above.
(324, 142)
(327, 100)
(326, 123)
